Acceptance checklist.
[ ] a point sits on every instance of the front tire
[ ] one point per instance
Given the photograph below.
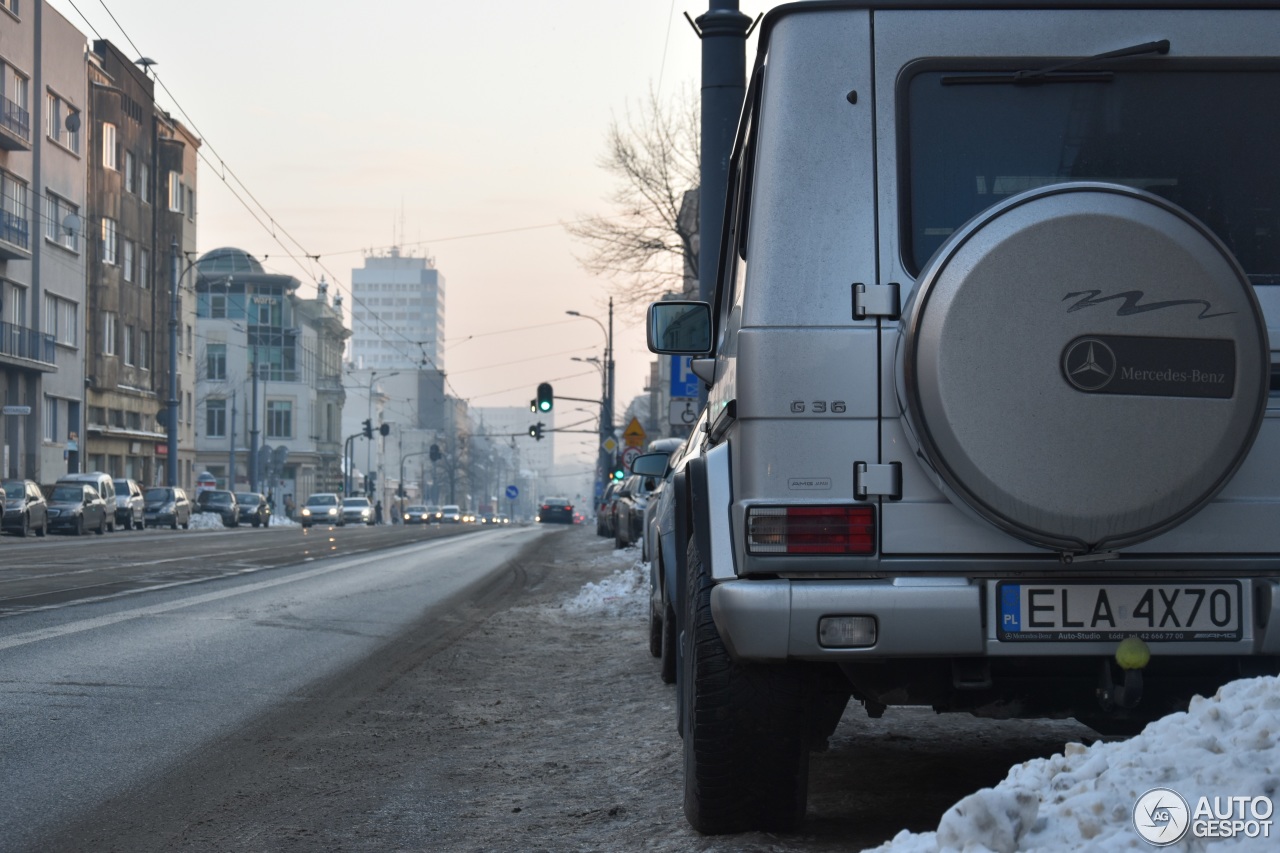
(102, 527)
(43, 530)
(25, 530)
(746, 744)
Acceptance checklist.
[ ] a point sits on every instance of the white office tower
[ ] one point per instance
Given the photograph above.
(397, 313)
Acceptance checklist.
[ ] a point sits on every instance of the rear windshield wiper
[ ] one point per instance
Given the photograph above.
(1062, 73)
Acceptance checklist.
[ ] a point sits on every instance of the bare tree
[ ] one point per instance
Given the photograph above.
(649, 246)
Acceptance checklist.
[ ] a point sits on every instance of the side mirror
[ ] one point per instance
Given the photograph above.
(650, 465)
(679, 328)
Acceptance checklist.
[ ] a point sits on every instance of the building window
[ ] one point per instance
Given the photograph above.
(108, 240)
(144, 182)
(191, 204)
(216, 361)
(215, 418)
(14, 112)
(56, 229)
(279, 419)
(50, 418)
(175, 192)
(190, 409)
(108, 333)
(190, 340)
(128, 260)
(128, 345)
(218, 306)
(109, 153)
(60, 118)
(144, 349)
(130, 173)
(13, 210)
(68, 322)
(144, 268)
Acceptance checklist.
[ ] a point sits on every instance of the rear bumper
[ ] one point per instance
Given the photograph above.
(943, 617)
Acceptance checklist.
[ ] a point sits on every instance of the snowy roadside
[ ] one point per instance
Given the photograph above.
(1084, 799)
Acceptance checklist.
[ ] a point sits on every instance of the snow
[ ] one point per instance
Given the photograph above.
(206, 521)
(1083, 799)
(621, 594)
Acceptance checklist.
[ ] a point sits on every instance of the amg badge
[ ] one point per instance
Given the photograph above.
(1150, 367)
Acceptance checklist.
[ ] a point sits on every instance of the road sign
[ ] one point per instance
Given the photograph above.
(628, 456)
(682, 413)
(684, 383)
(16, 410)
(512, 493)
(633, 435)
(609, 445)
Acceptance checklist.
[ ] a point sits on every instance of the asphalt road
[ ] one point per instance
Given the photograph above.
(114, 664)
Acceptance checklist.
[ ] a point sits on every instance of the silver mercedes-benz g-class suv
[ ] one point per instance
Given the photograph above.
(990, 388)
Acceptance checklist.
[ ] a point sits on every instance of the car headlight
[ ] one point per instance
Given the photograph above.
(306, 511)
(333, 510)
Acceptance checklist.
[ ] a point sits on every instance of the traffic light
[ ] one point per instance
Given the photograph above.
(368, 428)
(533, 405)
(536, 431)
(619, 473)
(435, 453)
(545, 397)
(384, 430)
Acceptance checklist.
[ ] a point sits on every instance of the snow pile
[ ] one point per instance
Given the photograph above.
(282, 521)
(206, 521)
(623, 593)
(1227, 746)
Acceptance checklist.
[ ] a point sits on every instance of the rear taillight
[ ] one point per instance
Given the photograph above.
(811, 530)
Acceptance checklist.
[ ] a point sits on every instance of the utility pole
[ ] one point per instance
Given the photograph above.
(171, 465)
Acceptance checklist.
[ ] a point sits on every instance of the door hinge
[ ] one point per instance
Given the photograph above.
(877, 481)
(876, 300)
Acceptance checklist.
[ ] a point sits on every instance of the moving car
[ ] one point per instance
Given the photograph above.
(435, 513)
(25, 508)
(988, 380)
(253, 508)
(167, 506)
(556, 509)
(221, 503)
(130, 505)
(451, 513)
(419, 515)
(77, 508)
(357, 510)
(321, 508)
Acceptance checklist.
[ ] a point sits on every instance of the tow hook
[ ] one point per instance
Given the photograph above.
(1132, 655)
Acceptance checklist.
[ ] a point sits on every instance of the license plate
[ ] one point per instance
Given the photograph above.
(1166, 612)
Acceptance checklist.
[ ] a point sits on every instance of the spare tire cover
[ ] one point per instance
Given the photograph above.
(1084, 365)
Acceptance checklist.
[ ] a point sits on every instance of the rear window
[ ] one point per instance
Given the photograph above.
(1203, 139)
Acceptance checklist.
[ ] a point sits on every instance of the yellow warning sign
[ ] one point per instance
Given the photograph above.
(633, 435)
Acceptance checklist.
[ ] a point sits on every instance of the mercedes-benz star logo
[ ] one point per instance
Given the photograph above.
(1089, 364)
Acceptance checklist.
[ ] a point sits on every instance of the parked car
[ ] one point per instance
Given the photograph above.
(604, 511)
(167, 506)
(555, 509)
(633, 497)
(253, 508)
(321, 508)
(77, 508)
(418, 514)
(648, 532)
(103, 484)
(131, 507)
(995, 379)
(451, 513)
(357, 510)
(25, 508)
(221, 503)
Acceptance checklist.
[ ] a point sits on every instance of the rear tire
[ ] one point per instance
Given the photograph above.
(102, 527)
(25, 530)
(43, 530)
(746, 744)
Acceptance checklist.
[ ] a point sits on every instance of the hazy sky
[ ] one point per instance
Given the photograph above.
(361, 125)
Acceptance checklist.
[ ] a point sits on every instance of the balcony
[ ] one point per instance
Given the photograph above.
(15, 127)
(23, 346)
(15, 237)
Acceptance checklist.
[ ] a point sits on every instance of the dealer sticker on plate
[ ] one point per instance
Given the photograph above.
(1082, 612)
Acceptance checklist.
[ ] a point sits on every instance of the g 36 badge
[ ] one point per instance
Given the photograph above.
(818, 407)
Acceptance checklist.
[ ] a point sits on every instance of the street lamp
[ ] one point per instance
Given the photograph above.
(605, 459)
(372, 376)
